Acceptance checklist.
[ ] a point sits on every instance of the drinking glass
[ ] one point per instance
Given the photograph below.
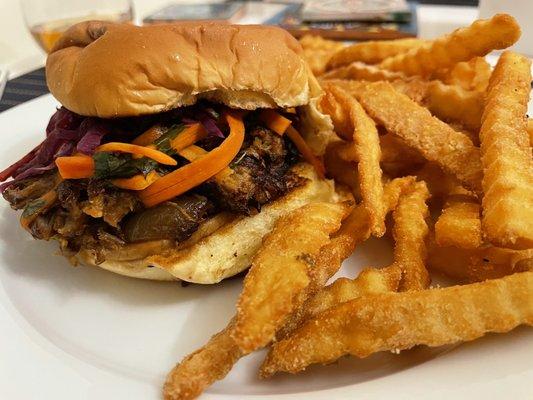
(48, 19)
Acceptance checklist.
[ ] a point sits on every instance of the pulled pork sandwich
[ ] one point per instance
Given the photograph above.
(176, 148)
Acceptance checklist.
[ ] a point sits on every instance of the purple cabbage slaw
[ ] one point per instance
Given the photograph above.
(207, 119)
(68, 132)
(65, 132)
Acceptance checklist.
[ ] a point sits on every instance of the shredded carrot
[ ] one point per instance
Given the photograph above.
(198, 171)
(75, 167)
(306, 152)
(154, 154)
(137, 182)
(275, 121)
(188, 136)
(192, 153)
(149, 136)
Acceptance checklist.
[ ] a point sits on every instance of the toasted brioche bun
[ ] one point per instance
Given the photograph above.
(215, 254)
(106, 70)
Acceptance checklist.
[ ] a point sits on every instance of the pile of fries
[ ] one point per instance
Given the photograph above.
(435, 146)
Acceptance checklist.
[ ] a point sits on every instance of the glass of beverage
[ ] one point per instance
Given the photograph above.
(48, 19)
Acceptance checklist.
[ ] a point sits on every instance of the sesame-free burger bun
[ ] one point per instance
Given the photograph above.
(106, 70)
(110, 70)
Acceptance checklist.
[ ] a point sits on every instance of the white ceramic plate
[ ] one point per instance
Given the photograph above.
(84, 333)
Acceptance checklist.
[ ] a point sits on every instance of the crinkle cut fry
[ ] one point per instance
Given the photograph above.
(455, 104)
(530, 131)
(370, 280)
(392, 151)
(317, 51)
(478, 39)
(360, 71)
(407, 199)
(212, 362)
(197, 371)
(454, 152)
(475, 265)
(281, 271)
(366, 145)
(407, 196)
(410, 232)
(398, 321)
(469, 75)
(355, 229)
(414, 88)
(449, 103)
(507, 202)
(459, 224)
(372, 51)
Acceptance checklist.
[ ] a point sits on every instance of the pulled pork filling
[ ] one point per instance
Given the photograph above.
(95, 214)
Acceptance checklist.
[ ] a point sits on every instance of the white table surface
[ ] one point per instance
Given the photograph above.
(20, 54)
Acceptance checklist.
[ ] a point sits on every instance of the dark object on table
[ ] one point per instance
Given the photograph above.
(451, 2)
(362, 10)
(346, 30)
(23, 88)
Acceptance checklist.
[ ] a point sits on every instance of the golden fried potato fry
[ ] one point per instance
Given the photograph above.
(447, 102)
(478, 39)
(439, 183)
(436, 141)
(318, 51)
(475, 265)
(360, 71)
(398, 159)
(213, 361)
(197, 371)
(459, 225)
(469, 75)
(410, 232)
(530, 131)
(506, 155)
(340, 115)
(370, 280)
(365, 142)
(280, 272)
(454, 104)
(415, 88)
(399, 321)
(352, 86)
(355, 229)
(343, 171)
(372, 51)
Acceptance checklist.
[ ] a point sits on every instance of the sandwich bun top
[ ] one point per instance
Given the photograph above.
(106, 70)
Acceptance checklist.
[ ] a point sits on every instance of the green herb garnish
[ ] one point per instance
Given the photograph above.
(109, 165)
(163, 143)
